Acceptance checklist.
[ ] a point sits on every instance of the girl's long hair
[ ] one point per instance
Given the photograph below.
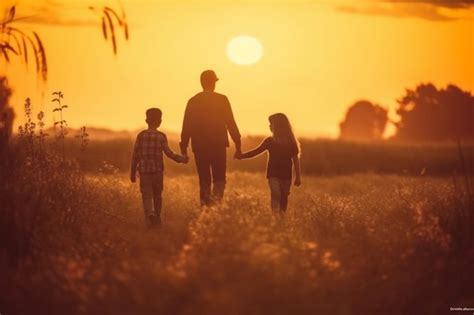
(282, 131)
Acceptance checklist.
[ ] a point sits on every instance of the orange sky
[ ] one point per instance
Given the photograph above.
(319, 57)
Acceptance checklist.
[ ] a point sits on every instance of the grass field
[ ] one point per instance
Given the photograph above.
(319, 157)
(360, 244)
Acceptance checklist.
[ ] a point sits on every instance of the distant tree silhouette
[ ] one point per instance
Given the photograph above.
(364, 121)
(6, 113)
(429, 114)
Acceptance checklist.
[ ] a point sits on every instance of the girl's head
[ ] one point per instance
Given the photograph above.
(282, 131)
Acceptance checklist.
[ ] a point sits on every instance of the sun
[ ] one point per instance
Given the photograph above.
(244, 50)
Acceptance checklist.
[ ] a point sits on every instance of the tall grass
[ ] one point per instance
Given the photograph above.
(74, 242)
(355, 244)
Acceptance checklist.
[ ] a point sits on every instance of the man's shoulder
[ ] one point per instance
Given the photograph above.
(196, 96)
(203, 95)
(220, 95)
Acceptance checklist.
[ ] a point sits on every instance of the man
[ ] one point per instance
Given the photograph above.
(207, 119)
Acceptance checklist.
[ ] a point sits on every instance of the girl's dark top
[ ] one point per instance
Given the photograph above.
(279, 158)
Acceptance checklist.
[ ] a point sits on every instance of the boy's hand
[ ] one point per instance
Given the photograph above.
(297, 182)
(133, 178)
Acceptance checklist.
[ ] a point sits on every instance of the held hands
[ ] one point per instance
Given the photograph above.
(297, 181)
(238, 154)
(184, 159)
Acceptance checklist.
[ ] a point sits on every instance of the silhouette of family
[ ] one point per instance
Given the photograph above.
(208, 119)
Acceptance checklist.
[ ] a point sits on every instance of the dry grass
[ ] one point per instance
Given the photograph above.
(355, 244)
(74, 242)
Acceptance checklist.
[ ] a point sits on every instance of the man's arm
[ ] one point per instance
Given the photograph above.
(232, 126)
(186, 130)
(134, 163)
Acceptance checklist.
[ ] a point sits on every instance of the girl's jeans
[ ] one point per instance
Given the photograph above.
(279, 190)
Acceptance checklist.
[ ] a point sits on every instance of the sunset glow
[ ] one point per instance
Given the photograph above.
(319, 58)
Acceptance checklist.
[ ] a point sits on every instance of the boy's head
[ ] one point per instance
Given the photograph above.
(153, 117)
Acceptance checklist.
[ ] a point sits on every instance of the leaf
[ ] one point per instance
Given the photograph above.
(104, 28)
(5, 54)
(25, 50)
(9, 47)
(17, 42)
(42, 55)
(109, 9)
(125, 28)
(11, 14)
(112, 31)
(55, 100)
(64, 106)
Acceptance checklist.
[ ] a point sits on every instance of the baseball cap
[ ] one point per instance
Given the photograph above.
(209, 76)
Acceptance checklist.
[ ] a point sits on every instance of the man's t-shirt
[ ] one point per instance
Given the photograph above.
(207, 119)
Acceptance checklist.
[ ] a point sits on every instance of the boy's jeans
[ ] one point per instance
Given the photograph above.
(279, 190)
(151, 187)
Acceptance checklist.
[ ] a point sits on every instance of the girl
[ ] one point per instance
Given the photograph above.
(283, 153)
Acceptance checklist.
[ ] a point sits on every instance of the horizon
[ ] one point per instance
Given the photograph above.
(319, 57)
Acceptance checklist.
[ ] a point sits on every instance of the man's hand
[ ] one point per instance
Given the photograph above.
(297, 181)
(238, 154)
(133, 178)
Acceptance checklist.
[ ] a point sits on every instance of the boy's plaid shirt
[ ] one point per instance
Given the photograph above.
(148, 152)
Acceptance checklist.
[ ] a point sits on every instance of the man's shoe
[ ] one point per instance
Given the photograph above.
(151, 221)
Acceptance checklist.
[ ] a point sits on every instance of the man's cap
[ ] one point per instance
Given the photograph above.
(209, 76)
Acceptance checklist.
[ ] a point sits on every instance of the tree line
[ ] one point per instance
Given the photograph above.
(425, 114)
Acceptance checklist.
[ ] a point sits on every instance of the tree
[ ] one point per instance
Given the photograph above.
(429, 114)
(6, 113)
(364, 121)
(28, 46)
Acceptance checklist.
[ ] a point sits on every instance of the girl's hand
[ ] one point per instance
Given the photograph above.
(238, 155)
(298, 182)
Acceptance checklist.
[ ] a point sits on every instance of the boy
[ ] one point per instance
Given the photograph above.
(148, 157)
